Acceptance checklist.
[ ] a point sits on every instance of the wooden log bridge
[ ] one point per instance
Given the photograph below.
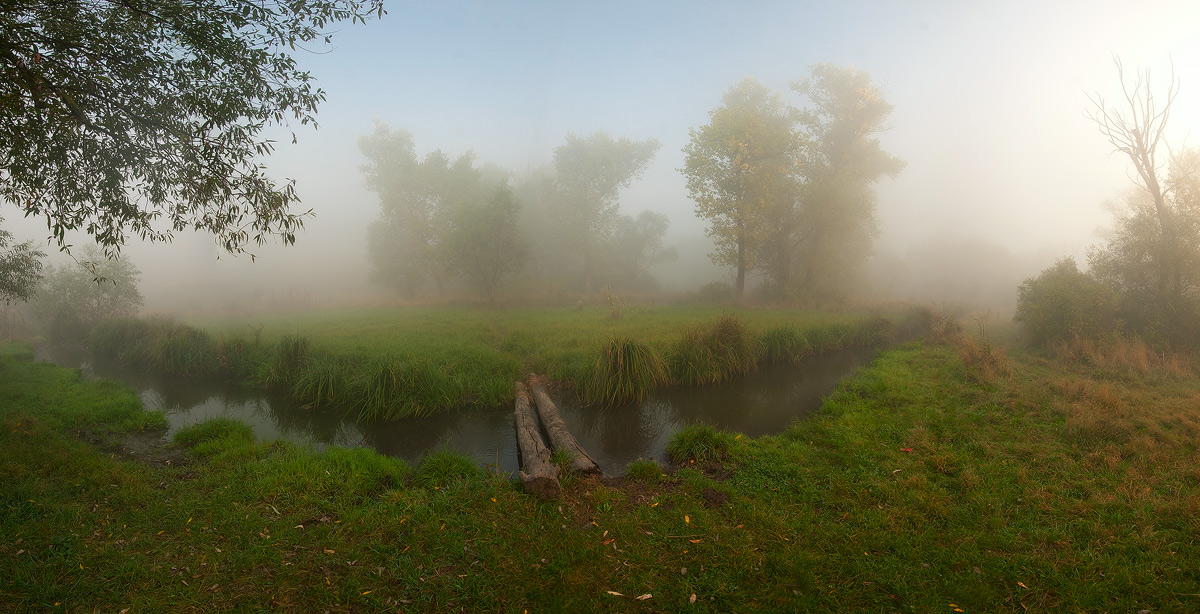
(560, 436)
(540, 476)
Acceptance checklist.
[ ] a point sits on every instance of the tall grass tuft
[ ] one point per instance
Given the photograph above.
(985, 360)
(445, 467)
(322, 381)
(181, 350)
(290, 356)
(785, 344)
(699, 442)
(714, 352)
(1122, 356)
(625, 372)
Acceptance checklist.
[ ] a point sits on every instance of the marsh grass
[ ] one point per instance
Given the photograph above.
(322, 381)
(785, 344)
(714, 352)
(625, 372)
(700, 443)
(291, 355)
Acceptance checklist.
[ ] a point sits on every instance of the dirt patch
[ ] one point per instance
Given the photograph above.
(714, 498)
(146, 447)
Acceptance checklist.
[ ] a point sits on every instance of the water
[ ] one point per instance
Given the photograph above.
(762, 403)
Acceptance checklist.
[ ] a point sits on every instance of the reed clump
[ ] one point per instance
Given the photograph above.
(625, 372)
(715, 352)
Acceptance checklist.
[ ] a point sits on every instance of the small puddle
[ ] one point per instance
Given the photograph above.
(762, 403)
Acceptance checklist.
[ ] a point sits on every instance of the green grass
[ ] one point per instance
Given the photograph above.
(1071, 485)
(389, 364)
(699, 443)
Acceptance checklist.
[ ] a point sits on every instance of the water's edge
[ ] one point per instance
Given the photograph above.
(762, 403)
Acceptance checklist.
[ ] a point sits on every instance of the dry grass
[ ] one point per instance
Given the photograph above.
(1120, 356)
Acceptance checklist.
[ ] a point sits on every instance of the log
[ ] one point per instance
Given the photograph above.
(540, 476)
(560, 436)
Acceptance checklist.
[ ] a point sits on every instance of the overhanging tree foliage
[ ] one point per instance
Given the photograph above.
(146, 117)
(20, 268)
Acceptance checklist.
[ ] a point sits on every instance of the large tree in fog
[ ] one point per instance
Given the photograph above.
(740, 170)
(123, 118)
(835, 223)
(1151, 242)
(484, 244)
(417, 201)
(75, 297)
(589, 175)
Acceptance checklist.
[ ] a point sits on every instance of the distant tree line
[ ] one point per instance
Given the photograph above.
(445, 220)
(787, 191)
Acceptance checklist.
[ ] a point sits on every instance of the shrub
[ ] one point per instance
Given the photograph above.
(699, 442)
(1062, 303)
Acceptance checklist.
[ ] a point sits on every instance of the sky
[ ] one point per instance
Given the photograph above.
(989, 98)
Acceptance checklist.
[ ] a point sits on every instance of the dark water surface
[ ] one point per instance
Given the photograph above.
(762, 403)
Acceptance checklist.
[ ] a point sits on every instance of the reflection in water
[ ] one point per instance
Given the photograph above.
(762, 403)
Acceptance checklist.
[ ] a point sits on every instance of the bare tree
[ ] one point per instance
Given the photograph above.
(1135, 128)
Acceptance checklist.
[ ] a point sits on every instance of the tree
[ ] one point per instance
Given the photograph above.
(589, 174)
(1062, 303)
(20, 268)
(636, 246)
(740, 170)
(843, 160)
(485, 243)
(1136, 127)
(417, 201)
(74, 298)
(122, 117)
(1130, 258)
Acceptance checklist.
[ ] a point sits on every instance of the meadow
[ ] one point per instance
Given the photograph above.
(962, 473)
(380, 364)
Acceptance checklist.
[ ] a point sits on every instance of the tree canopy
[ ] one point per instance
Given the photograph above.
(740, 170)
(140, 117)
(589, 174)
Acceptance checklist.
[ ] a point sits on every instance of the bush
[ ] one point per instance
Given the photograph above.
(1063, 303)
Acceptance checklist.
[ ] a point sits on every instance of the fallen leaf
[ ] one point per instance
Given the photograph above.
(692, 599)
(365, 593)
(695, 541)
(643, 597)
(1022, 585)
(328, 551)
(906, 449)
(614, 593)
(686, 519)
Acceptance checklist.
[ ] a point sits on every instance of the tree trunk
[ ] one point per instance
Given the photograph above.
(540, 476)
(560, 436)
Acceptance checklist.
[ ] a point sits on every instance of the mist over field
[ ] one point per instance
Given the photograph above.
(1004, 173)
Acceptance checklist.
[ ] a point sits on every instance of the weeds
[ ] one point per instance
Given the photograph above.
(712, 353)
(985, 360)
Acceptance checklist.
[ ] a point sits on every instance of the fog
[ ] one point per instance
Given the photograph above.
(1004, 171)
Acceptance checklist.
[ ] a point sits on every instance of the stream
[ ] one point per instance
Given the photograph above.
(762, 403)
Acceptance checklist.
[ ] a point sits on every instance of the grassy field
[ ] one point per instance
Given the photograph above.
(390, 363)
(953, 477)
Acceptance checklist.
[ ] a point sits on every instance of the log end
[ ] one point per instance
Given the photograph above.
(544, 486)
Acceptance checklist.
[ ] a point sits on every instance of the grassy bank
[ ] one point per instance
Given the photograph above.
(930, 482)
(386, 364)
